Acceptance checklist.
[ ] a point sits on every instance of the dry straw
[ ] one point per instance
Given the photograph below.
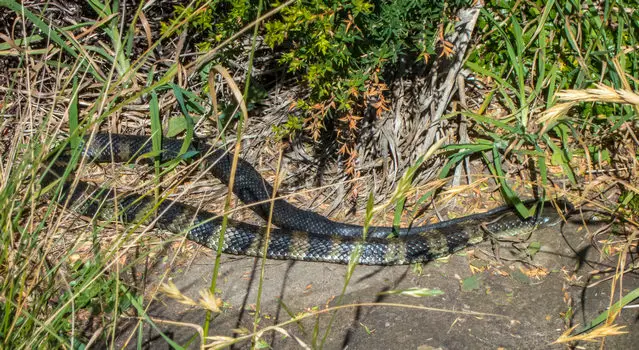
(596, 334)
(207, 300)
(601, 93)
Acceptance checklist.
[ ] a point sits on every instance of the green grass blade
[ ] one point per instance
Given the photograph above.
(74, 115)
(179, 96)
(615, 308)
(510, 195)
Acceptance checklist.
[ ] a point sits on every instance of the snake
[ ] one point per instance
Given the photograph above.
(300, 234)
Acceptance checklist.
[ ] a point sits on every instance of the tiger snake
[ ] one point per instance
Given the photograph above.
(301, 234)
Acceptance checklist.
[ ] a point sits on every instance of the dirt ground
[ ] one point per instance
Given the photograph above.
(529, 311)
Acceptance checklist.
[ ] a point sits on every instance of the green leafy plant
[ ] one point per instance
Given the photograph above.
(340, 50)
(519, 60)
(343, 50)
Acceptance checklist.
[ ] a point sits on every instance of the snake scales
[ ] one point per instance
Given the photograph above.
(302, 235)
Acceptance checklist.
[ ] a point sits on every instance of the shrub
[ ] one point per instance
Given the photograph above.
(341, 51)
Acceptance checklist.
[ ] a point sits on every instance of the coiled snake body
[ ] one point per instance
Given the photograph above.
(302, 235)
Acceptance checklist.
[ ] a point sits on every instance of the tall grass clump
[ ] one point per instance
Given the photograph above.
(561, 106)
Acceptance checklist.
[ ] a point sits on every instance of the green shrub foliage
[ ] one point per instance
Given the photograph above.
(339, 50)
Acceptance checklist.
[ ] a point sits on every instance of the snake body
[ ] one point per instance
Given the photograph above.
(302, 234)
